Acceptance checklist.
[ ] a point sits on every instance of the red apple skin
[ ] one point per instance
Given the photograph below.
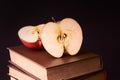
(36, 45)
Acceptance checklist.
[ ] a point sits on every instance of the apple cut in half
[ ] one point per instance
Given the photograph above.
(63, 37)
(30, 36)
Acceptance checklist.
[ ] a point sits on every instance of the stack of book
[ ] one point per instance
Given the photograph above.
(28, 64)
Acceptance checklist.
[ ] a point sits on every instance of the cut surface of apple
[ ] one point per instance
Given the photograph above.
(63, 37)
(30, 36)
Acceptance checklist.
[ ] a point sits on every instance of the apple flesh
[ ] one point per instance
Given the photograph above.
(30, 36)
(62, 37)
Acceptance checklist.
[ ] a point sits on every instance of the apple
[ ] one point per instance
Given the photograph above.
(30, 36)
(62, 37)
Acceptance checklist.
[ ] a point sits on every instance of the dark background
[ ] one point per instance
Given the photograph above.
(99, 20)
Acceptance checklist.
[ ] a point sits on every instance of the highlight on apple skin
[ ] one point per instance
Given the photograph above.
(30, 36)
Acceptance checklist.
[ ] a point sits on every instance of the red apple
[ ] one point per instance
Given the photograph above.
(30, 36)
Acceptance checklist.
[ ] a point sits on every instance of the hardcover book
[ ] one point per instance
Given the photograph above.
(17, 74)
(45, 67)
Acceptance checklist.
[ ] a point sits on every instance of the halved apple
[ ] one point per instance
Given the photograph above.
(63, 37)
(30, 36)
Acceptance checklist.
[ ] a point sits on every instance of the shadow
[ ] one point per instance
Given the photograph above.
(4, 57)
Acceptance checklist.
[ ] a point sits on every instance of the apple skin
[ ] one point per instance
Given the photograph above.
(35, 45)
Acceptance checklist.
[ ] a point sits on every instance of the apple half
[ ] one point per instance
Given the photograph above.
(30, 36)
(63, 37)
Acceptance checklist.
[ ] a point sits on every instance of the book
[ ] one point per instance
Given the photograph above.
(45, 67)
(17, 74)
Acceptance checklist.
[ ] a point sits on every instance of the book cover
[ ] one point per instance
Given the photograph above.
(99, 75)
(46, 67)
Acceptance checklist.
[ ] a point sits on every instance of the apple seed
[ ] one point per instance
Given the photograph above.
(61, 38)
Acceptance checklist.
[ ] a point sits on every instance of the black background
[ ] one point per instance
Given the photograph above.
(99, 20)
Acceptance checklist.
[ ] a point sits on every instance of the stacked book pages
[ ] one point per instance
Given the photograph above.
(28, 64)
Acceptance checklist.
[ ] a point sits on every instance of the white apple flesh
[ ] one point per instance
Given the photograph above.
(63, 37)
(30, 36)
(74, 37)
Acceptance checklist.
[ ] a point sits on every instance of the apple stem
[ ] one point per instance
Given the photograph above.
(53, 19)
